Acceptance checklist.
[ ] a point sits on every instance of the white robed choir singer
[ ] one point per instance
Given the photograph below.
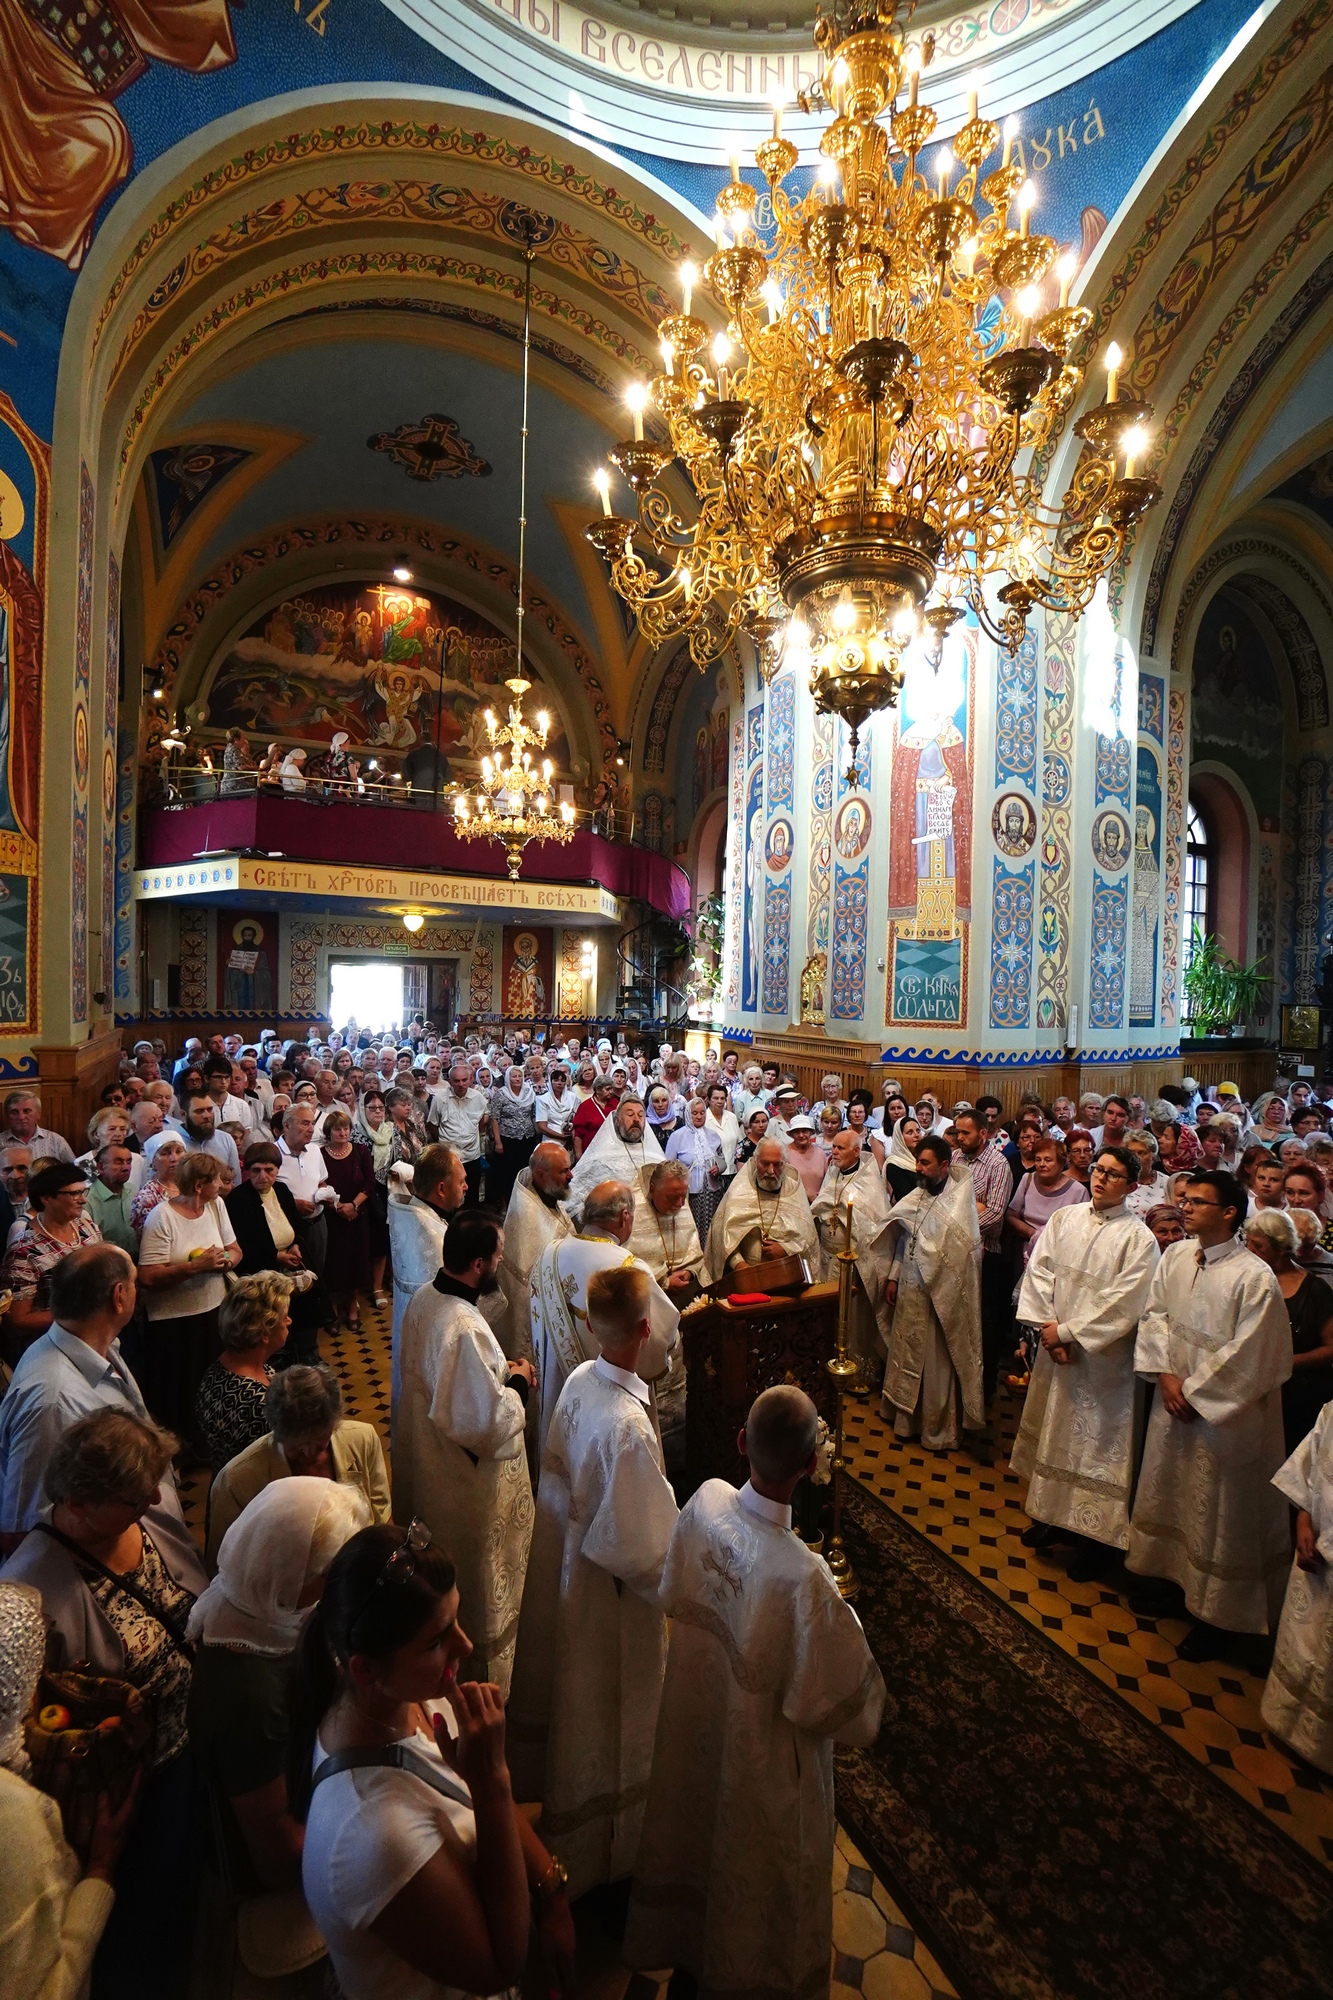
(1298, 1697)
(935, 1293)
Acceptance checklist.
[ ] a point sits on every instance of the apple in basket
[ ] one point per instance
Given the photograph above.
(54, 1717)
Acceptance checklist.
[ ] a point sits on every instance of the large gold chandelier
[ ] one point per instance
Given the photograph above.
(851, 457)
(514, 800)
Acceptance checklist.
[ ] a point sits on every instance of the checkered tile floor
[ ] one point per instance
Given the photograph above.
(972, 1506)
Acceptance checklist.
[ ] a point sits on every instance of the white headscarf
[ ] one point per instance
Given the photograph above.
(525, 1094)
(22, 1650)
(151, 1147)
(289, 1533)
(899, 1154)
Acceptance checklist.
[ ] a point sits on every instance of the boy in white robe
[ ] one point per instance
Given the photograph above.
(458, 1458)
(1217, 1341)
(1298, 1698)
(934, 1291)
(417, 1223)
(558, 1299)
(592, 1638)
(1085, 1287)
(767, 1669)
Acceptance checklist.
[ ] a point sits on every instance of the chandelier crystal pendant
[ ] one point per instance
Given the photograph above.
(514, 800)
(856, 455)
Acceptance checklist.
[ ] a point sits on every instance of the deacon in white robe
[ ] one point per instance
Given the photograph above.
(1216, 1339)
(1298, 1699)
(765, 1213)
(767, 1669)
(592, 1638)
(623, 1146)
(1086, 1287)
(416, 1231)
(853, 1189)
(458, 1458)
(536, 1217)
(558, 1299)
(935, 1294)
(665, 1239)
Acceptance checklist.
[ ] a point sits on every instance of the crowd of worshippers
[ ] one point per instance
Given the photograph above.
(362, 1677)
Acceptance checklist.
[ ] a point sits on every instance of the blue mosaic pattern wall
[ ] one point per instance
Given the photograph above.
(1012, 899)
(847, 967)
(779, 845)
(1014, 824)
(1112, 842)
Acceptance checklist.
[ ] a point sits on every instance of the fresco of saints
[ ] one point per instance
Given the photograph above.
(525, 994)
(930, 816)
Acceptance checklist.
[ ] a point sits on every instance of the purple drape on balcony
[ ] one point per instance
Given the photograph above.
(391, 837)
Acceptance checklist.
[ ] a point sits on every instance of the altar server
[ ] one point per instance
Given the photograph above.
(592, 1639)
(1086, 1287)
(1217, 1342)
(1298, 1700)
(764, 1214)
(536, 1217)
(558, 1298)
(623, 1147)
(767, 1669)
(935, 1293)
(853, 1191)
(417, 1221)
(458, 1458)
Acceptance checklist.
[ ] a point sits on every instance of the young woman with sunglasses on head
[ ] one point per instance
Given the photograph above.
(417, 1867)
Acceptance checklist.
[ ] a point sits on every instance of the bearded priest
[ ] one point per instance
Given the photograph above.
(458, 1458)
(935, 1294)
(621, 1150)
(853, 1192)
(561, 1337)
(592, 1639)
(536, 1216)
(764, 1215)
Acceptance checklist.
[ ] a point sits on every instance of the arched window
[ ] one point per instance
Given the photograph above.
(1199, 881)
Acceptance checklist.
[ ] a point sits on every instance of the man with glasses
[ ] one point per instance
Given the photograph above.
(1085, 1287)
(1207, 1521)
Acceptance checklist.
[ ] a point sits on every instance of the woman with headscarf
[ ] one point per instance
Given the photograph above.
(665, 1113)
(513, 1121)
(164, 1153)
(700, 1153)
(900, 1160)
(336, 767)
(371, 1128)
(292, 772)
(51, 1919)
(245, 1628)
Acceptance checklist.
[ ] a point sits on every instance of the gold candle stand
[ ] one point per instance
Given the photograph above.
(842, 1369)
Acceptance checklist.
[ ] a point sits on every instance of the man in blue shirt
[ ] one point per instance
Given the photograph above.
(72, 1370)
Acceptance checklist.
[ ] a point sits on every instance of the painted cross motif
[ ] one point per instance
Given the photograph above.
(433, 448)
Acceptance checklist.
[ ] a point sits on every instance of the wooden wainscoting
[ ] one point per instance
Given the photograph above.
(70, 1079)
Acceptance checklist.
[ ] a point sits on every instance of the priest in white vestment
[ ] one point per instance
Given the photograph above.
(853, 1188)
(935, 1295)
(665, 1239)
(458, 1457)
(1298, 1698)
(416, 1231)
(536, 1216)
(1085, 1287)
(558, 1299)
(592, 1639)
(767, 1669)
(1216, 1340)
(623, 1146)
(765, 1214)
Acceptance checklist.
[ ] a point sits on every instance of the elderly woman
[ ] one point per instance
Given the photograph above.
(1305, 1188)
(858, 1118)
(57, 1224)
(723, 1123)
(513, 1123)
(163, 1154)
(309, 1436)
(118, 1575)
(700, 1153)
(1271, 1234)
(1046, 1186)
(756, 1126)
(350, 1170)
(108, 1127)
(1079, 1148)
(405, 1144)
(665, 1113)
(1152, 1185)
(187, 1244)
(253, 1324)
(1167, 1223)
(1269, 1113)
(246, 1628)
(51, 1917)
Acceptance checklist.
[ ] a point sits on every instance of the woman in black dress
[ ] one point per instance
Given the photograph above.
(352, 1173)
(253, 1324)
(1271, 1234)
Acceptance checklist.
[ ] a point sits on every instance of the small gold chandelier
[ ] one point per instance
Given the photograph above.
(514, 801)
(857, 453)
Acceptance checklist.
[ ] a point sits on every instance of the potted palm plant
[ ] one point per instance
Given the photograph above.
(1222, 997)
